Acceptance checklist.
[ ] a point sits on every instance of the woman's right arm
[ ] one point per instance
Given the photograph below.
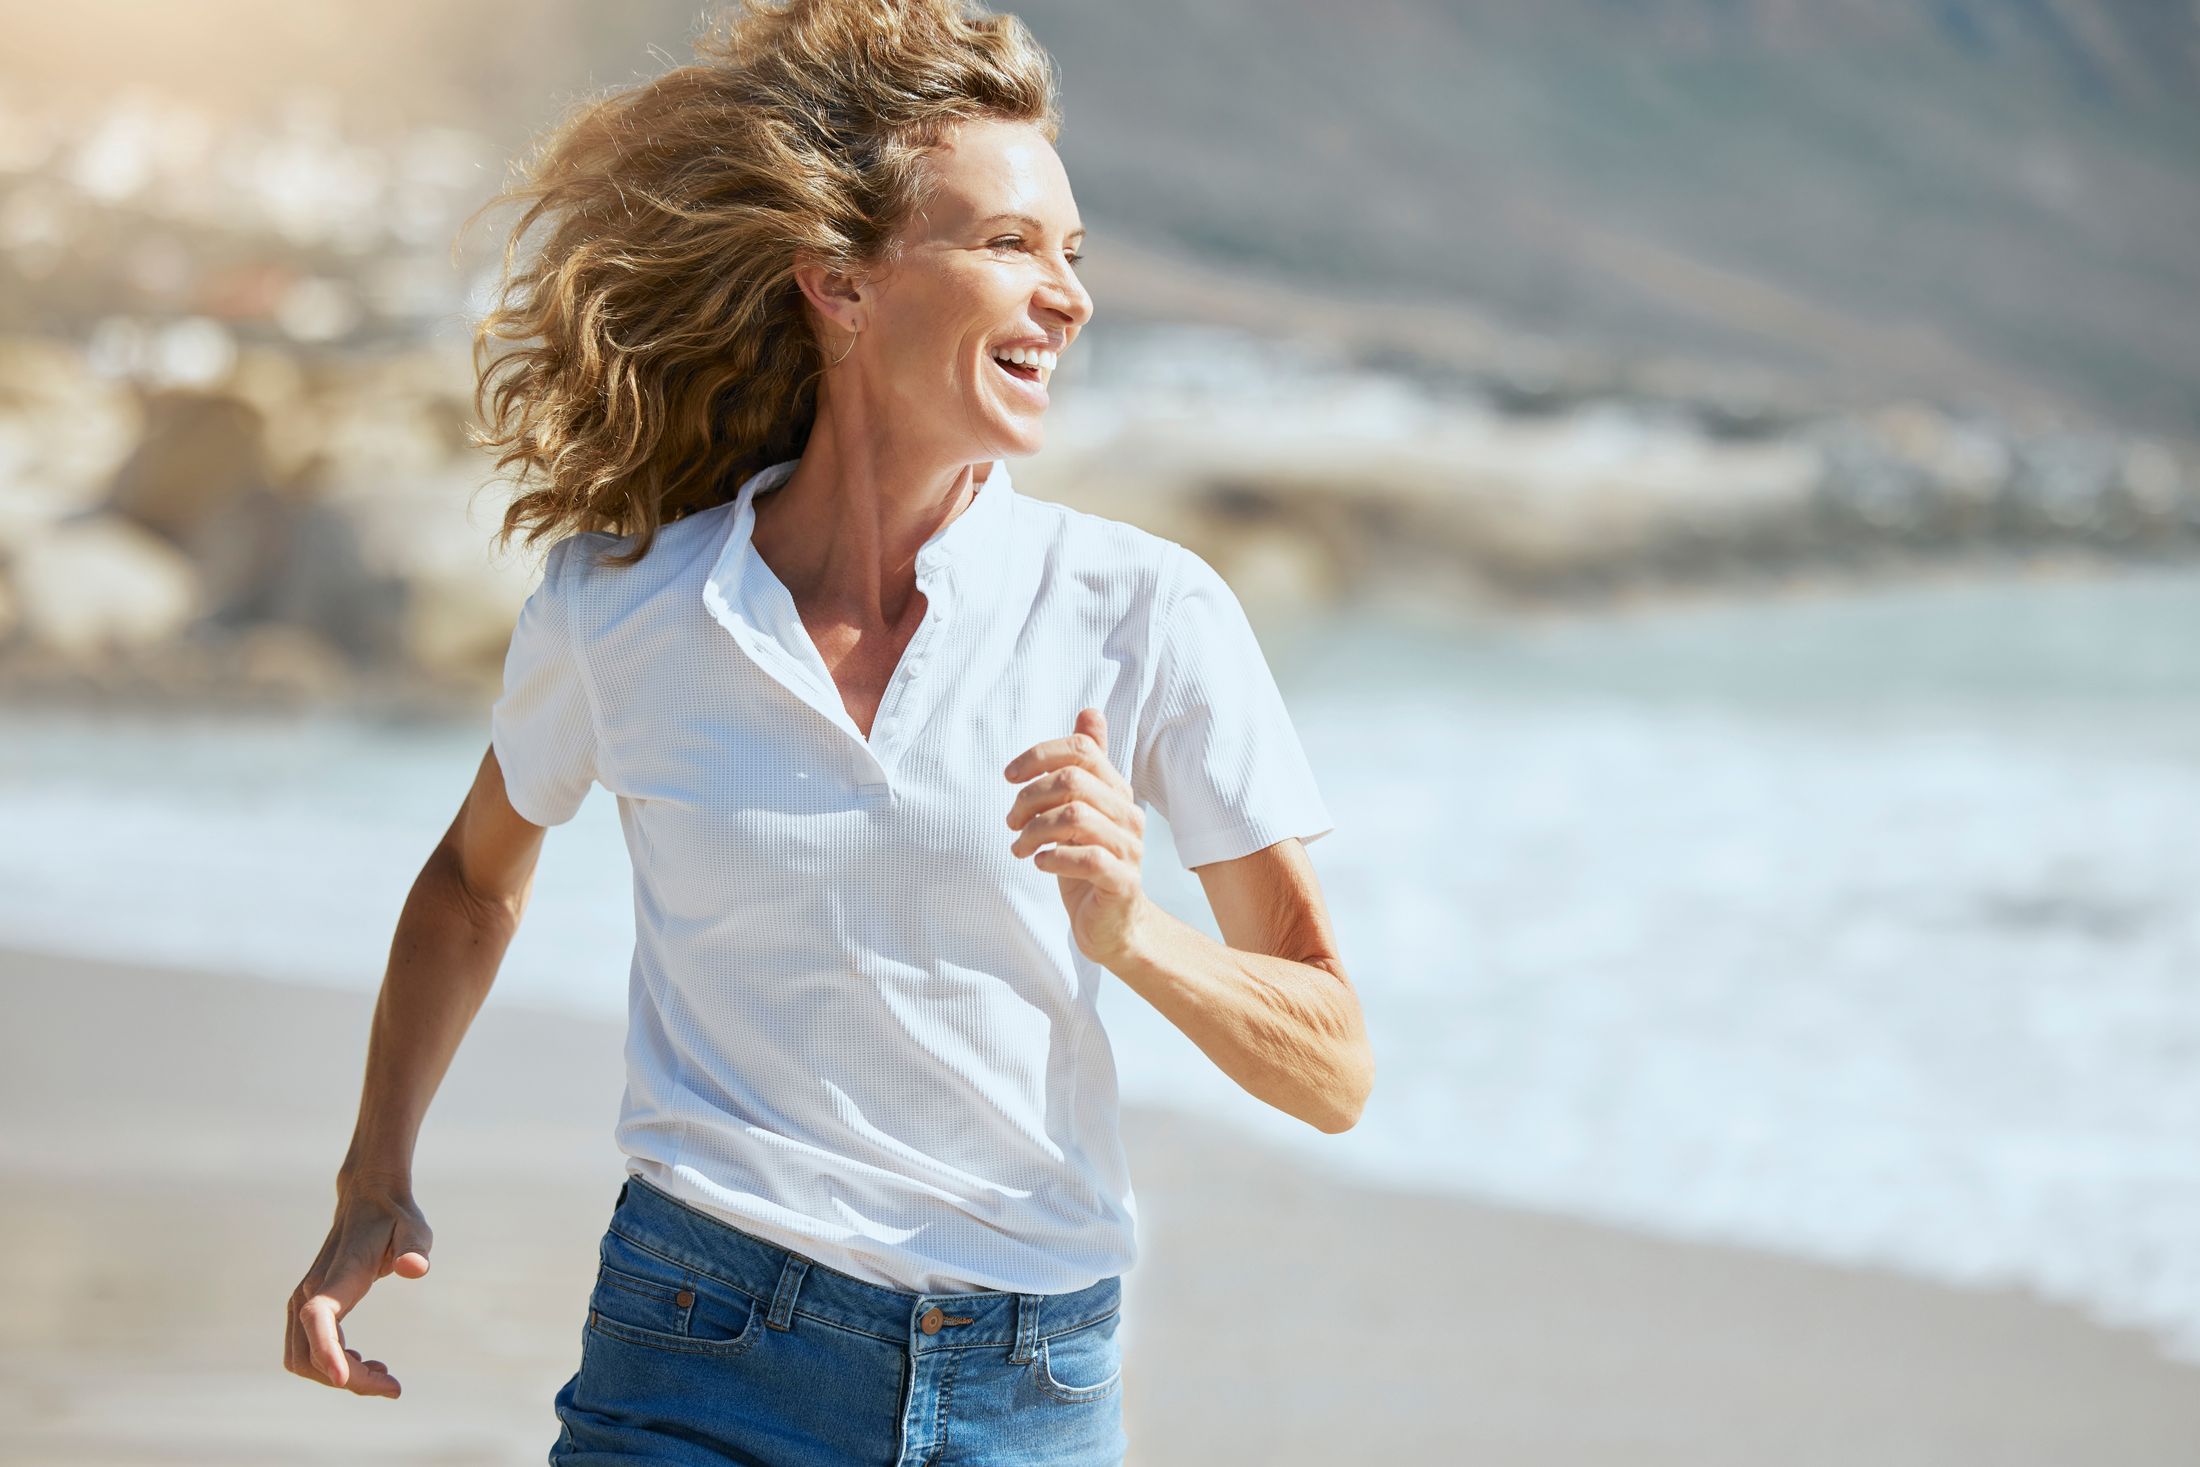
(457, 921)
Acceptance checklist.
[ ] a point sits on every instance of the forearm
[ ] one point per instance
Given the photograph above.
(443, 960)
(1290, 1032)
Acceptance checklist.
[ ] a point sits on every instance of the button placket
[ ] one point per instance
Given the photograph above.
(747, 597)
(890, 727)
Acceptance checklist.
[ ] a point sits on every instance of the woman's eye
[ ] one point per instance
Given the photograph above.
(1016, 242)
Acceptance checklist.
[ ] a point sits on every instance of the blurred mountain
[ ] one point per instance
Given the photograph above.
(1980, 201)
(1998, 200)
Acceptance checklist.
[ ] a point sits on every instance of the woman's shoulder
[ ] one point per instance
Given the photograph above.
(1089, 543)
(583, 564)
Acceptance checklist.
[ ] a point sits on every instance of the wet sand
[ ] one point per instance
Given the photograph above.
(168, 1144)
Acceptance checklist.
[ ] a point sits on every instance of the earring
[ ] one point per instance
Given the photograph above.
(851, 346)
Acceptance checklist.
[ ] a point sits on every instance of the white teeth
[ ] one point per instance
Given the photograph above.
(1028, 356)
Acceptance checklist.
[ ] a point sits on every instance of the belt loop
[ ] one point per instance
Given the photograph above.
(790, 1282)
(622, 1191)
(1027, 1328)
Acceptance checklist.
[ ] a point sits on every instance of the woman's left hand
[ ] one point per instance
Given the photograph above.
(1078, 801)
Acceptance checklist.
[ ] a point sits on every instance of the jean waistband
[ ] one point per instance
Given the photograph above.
(650, 1218)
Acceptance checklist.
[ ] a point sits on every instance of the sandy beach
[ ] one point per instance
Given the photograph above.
(170, 1141)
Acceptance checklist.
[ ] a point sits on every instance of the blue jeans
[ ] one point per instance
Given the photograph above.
(705, 1344)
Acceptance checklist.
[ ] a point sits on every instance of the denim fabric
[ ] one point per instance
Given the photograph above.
(707, 1345)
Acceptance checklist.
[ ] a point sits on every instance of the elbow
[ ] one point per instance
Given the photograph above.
(1355, 1084)
(1338, 1122)
(1352, 1075)
(491, 909)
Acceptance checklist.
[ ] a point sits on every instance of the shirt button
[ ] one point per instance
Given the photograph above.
(931, 1321)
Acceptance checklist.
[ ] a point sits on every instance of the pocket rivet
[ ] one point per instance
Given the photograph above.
(685, 1298)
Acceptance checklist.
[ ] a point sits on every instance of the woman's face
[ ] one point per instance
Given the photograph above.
(989, 262)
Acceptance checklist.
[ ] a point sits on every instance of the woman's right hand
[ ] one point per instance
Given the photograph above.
(378, 1231)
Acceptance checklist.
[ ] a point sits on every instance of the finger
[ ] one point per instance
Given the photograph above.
(324, 1341)
(1073, 822)
(1070, 784)
(408, 1254)
(294, 1348)
(371, 1377)
(319, 1316)
(1075, 767)
(1096, 864)
(1055, 809)
(410, 1243)
(299, 1355)
(1086, 746)
(298, 1346)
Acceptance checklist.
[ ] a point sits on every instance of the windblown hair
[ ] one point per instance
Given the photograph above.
(664, 349)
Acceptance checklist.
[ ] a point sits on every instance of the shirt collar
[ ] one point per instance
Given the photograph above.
(740, 586)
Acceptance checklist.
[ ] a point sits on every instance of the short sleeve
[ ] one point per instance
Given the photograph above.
(1217, 753)
(543, 725)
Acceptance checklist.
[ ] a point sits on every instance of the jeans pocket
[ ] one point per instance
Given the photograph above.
(1081, 1364)
(646, 1299)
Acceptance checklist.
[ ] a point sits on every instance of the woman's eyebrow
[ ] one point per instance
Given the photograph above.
(1030, 223)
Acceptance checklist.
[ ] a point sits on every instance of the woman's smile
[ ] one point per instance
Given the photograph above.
(1028, 382)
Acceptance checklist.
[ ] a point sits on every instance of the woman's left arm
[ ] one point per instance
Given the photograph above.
(1273, 1008)
(1270, 1004)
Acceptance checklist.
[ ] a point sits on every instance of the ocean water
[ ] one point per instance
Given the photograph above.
(1864, 928)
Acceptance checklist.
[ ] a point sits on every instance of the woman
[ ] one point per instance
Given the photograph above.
(880, 730)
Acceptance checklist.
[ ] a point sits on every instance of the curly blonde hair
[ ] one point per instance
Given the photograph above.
(665, 352)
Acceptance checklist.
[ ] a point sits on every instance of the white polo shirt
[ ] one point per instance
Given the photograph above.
(858, 1025)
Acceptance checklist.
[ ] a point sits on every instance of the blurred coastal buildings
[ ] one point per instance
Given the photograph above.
(234, 394)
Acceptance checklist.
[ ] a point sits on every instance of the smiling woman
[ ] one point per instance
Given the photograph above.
(883, 732)
(660, 351)
(954, 335)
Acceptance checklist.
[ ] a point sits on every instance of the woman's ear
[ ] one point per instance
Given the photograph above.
(835, 300)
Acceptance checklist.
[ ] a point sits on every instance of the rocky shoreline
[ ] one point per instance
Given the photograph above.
(298, 532)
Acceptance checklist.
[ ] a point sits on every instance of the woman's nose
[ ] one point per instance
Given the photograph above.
(1072, 300)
